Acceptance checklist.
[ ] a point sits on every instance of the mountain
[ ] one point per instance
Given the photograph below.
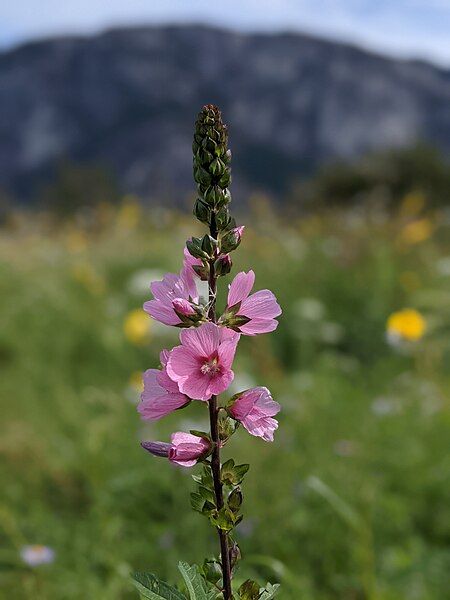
(127, 99)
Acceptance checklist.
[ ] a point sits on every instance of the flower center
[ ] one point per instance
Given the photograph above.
(211, 367)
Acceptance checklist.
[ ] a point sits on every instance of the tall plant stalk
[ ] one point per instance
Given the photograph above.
(214, 432)
(200, 368)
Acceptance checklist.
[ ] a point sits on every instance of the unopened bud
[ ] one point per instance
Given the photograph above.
(157, 448)
(235, 499)
(223, 265)
(202, 211)
(231, 239)
(202, 271)
(194, 247)
(223, 218)
(183, 307)
(209, 245)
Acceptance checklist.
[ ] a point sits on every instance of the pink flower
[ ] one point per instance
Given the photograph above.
(201, 366)
(161, 395)
(185, 449)
(255, 408)
(173, 296)
(250, 314)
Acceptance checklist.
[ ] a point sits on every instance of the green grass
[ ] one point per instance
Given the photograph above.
(352, 501)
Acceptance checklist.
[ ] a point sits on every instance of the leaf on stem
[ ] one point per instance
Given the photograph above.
(151, 588)
(195, 583)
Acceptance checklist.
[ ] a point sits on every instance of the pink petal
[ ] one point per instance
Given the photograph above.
(164, 357)
(227, 350)
(227, 334)
(240, 287)
(260, 426)
(266, 404)
(166, 382)
(260, 305)
(182, 363)
(203, 341)
(156, 400)
(219, 384)
(162, 289)
(181, 437)
(256, 326)
(161, 312)
(187, 448)
(196, 386)
(244, 403)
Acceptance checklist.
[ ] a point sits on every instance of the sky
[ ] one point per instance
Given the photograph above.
(407, 28)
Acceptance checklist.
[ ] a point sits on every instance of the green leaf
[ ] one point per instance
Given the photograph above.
(151, 588)
(269, 592)
(207, 494)
(249, 590)
(233, 474)
(197, 502)
(240, 471)
(195, 583)
(223, 519)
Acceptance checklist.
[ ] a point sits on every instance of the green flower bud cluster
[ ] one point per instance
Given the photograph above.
(212, 172)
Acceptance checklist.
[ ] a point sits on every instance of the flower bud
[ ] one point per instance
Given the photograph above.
(223, 265)
(211, 158)
(185, 449)
(202, 211)
(157, 448)
(194, 247)
(223, 218)
(231, 239)
(183, 307)
(209, 245)
(202, 271)
(235, 499)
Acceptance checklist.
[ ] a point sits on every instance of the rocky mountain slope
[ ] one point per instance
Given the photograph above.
(127, 99)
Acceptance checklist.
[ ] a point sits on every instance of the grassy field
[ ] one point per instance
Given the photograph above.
(352, 501)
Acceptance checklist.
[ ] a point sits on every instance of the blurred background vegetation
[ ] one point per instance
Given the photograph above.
(352, 501)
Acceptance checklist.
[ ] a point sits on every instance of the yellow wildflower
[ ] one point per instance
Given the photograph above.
(416, 231)
(407, 324)
(137, 327)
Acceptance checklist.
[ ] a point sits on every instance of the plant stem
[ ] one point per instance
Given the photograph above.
(213, 418)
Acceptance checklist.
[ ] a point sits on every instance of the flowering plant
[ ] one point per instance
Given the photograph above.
(201, 368)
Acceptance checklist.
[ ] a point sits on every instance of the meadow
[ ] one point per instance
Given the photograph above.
(352, 501)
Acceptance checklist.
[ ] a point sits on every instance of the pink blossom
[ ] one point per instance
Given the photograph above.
(185, 449)
(201, 366)
(161, 395)
(170, 294)
(250, 313)
(255, 408)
